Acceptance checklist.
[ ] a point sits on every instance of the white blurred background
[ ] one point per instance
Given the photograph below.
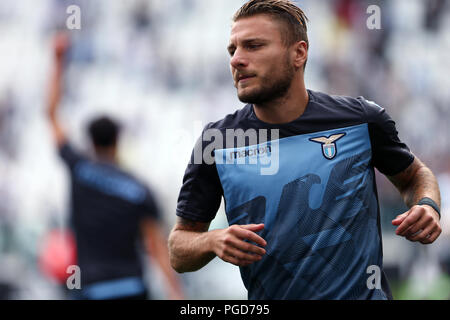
(162, 68)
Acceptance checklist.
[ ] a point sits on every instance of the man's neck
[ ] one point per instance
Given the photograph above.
(285, 109)
(107, 155)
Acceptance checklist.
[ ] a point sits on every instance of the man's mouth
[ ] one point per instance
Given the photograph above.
(244, 77)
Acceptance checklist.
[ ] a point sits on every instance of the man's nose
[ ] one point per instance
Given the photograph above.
(239, 60)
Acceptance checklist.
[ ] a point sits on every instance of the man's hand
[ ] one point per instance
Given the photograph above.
(420, 223)
(231, 246)
(192, 246)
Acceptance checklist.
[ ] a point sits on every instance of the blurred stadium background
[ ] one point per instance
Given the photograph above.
(161, 66)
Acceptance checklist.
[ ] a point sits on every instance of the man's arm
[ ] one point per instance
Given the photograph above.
(157, 246)
(60, 49)
(192, 246)
(420, 222)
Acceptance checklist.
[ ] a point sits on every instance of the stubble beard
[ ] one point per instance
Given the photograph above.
(271, 88)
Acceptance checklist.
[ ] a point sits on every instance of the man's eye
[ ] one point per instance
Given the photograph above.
(254, 46)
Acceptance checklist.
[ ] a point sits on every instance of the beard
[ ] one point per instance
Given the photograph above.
(272, 87)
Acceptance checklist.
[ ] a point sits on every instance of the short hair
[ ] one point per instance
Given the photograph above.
(283, 10)
(104, 131)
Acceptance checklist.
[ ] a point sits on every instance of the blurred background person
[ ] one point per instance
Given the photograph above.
(110, 209)
(162, 68)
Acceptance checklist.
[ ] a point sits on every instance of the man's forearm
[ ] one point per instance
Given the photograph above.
(54, 94)
(423, 184)
(420, 222)
(189, 250)
(60, 47)
(55, 89)
(156, 244)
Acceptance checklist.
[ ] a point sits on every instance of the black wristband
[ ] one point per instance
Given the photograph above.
(430, 203)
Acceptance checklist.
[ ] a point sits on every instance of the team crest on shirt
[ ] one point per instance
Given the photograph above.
(329, 148)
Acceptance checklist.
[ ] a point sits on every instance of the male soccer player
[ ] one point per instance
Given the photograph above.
(111, 210)
(311, 228)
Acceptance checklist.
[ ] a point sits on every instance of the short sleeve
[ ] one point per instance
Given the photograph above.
(201, 192)
(149, 207)
(70, 156)
(389, 154)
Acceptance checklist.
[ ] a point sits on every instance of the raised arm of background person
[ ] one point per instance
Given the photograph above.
(192, 246)
(156, 244)
(60, 46)
(419, 223)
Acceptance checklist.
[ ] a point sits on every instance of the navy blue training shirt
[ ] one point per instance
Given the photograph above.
(313, 186)
(107, 206)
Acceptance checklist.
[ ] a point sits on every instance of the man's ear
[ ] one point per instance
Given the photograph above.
(300, 54)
